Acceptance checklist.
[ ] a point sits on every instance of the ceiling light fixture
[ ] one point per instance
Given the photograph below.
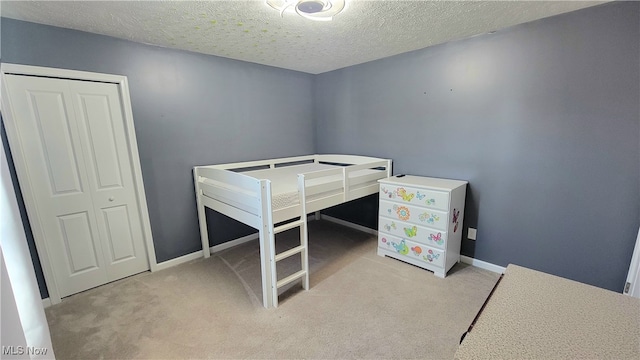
(319, 10)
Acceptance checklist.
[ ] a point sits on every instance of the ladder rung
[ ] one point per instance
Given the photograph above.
(290, 278)
(287, 226)
(286, 254)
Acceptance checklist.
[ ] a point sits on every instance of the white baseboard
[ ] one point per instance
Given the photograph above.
(349, 224)
(179, 260)
(198, 254)
(482, 264)
(229, 244)
(232, 243)
(46, 302)
(465, 259)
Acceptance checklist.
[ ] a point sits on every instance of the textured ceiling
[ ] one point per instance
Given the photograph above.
(252, 31)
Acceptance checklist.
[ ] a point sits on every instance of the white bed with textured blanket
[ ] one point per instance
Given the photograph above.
(268, 192)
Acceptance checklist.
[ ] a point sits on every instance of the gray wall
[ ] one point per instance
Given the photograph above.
(543, 120)
(189, 109)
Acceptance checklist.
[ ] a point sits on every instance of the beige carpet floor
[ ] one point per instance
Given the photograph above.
(360, 305)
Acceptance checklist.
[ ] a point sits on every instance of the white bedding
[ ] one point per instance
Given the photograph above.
(284, 181)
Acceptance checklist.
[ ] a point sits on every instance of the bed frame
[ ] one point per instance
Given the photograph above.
(236, 191)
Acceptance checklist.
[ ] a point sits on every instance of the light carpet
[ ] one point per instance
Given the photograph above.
(360, 305)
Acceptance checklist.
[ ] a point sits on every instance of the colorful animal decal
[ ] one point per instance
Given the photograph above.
(456, 213)
(403, 193)
(417, 250)
(390, 194)
(436, 238)
(428, 201)
(430, 257)
(389, 227)
(403, 212)
(429, 218)
(411, 232)
(401, 248)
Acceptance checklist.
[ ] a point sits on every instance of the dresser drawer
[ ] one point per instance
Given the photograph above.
(410, 249)
(416, 215)
(413, 232)
(433, 199)
(413, 214)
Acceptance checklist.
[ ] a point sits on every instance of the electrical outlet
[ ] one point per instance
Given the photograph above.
(472, 234)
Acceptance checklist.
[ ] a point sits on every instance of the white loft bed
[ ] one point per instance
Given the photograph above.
(267, 192)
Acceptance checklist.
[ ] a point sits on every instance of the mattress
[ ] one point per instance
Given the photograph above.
(284, 181)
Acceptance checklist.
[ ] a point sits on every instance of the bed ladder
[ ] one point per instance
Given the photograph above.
(301, 249)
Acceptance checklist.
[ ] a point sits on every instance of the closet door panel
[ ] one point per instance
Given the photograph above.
(103, 137)
(57, 177)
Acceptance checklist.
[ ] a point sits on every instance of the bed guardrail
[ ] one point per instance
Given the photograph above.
(345, 159)
(233, 194)
(358, 186)
(325, 193)
(271, 163)
(225, 189)
(231, 188)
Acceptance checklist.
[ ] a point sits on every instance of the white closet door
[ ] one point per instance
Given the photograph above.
(72, 136)
(102, 134)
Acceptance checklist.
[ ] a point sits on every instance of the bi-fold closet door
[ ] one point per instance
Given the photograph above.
(78, 169)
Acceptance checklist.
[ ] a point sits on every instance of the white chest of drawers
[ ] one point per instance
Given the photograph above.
(420, 221)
